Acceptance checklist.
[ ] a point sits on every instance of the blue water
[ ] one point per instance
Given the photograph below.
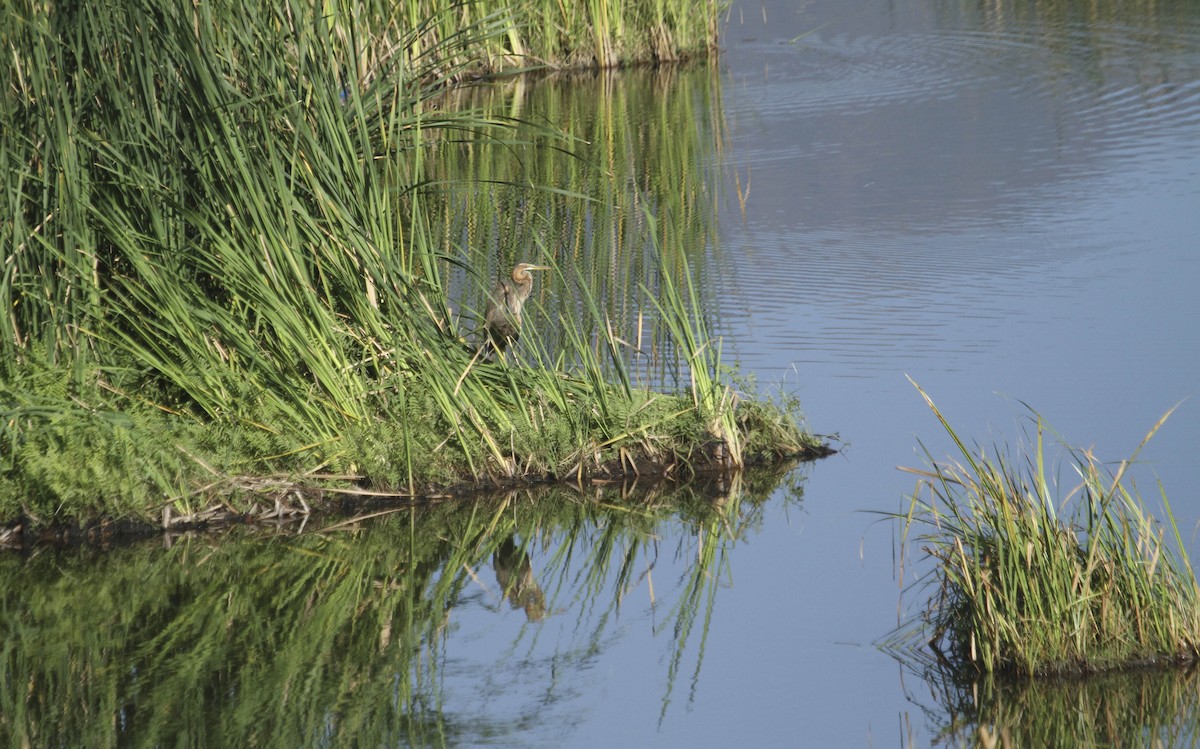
(1004, 208)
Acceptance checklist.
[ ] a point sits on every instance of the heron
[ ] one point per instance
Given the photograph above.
(502, 316)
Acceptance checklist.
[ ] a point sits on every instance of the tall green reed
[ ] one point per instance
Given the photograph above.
(1030, 581)
(628, 203)
(528, 34)
(236, 217)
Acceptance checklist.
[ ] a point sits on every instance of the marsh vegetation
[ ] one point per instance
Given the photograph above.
(237, 275)
(1035, 570)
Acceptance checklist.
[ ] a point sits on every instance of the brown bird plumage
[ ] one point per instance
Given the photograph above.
(502, 317)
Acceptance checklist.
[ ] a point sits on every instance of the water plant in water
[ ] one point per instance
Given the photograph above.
(1025, 580)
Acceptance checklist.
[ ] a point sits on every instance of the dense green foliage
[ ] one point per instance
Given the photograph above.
(1028, 581)
(221, 268)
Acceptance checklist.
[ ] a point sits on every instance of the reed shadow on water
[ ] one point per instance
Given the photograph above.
(345, 632)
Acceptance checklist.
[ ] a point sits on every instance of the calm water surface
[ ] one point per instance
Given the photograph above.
(1003, 205)
(1001, 202)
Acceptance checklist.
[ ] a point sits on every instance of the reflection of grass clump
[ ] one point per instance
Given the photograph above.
(1148, 708)
(1017, 589)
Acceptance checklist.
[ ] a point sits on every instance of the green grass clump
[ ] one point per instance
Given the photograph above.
(1026, 581)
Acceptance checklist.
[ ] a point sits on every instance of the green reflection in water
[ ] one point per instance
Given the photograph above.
(1156, 708)
(643, 146)
(340, 636)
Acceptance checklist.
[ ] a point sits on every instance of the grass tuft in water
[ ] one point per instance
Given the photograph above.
(1027, 580)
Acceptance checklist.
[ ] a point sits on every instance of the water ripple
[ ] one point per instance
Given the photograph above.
(919, 194)
(1132, 81)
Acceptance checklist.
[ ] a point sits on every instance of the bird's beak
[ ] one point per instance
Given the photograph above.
(538, 267)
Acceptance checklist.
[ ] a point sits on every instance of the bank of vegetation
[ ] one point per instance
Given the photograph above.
(1035, 574)
(226, 262)
(539, 33)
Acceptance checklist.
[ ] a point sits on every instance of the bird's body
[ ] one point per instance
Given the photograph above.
(502, 316)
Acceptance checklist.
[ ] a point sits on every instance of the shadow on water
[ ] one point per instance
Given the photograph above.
(371, 632)
(1145, 707)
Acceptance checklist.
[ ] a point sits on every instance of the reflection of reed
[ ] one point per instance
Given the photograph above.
(514, 575)
(317, 637)
(1068, 20)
